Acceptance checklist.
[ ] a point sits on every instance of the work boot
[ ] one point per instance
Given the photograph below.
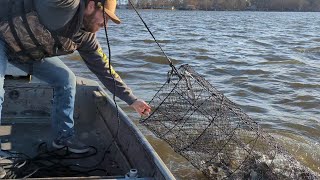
(72, 144)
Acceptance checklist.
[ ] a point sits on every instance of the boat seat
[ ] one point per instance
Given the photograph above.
(15, 73)
(22, 97)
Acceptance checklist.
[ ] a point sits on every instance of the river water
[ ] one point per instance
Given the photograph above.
(267, 62)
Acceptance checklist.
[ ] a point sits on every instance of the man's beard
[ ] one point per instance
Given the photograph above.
(88, 22)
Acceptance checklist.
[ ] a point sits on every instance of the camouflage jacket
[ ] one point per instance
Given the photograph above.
(66, 24)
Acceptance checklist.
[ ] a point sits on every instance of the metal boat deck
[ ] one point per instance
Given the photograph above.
(121, 146)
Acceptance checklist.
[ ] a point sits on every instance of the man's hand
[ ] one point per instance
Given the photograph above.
(141, 107)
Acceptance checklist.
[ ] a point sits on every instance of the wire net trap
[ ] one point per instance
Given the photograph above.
(214, 134)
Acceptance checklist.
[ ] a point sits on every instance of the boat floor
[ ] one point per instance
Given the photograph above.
(26, 137)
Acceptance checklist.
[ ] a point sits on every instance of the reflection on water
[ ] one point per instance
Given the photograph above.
(177, 164)
(267, 62)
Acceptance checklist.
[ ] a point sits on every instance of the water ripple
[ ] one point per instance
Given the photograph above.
(268, 62)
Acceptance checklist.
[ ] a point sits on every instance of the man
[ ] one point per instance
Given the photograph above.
(35, 32)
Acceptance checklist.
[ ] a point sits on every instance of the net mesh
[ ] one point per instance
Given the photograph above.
(215, 135)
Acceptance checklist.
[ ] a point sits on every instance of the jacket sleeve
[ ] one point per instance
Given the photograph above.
(97, 61)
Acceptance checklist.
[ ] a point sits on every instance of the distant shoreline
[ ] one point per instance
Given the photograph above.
(218, 10)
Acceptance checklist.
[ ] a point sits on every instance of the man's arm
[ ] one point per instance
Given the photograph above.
(97, 61)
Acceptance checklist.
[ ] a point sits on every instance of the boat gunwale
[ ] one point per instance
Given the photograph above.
(140, 137)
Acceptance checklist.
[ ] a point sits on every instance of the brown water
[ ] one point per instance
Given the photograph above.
(267, 62)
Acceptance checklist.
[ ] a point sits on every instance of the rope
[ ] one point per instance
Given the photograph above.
(169, 60)
(114, 81)
(49, 164)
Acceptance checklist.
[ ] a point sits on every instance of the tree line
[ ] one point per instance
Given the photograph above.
(240, 5)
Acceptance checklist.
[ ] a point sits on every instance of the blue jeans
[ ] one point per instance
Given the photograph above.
(54, 72)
